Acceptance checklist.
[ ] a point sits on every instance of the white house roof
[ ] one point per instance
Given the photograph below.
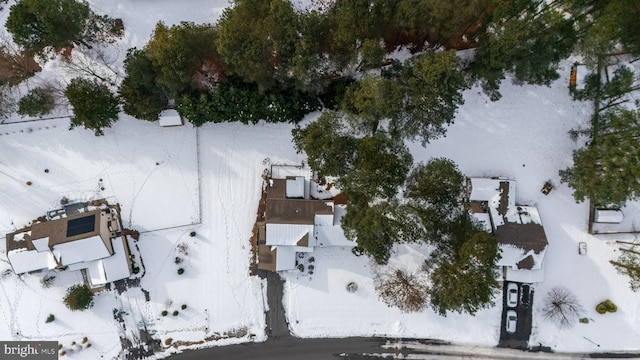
(294, 188)
(484, 219)
(608, 216)
(170, 117)
(285, 258)
(83, 250)
(525, 276)
(327, 230)
(286, 234)
(116, 267)
(109, 269)
(23, 260)
(284, 171)
(41, 244)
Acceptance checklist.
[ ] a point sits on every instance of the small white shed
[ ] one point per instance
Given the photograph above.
(170, 117)
(610, 216)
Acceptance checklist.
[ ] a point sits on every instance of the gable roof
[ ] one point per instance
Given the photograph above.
(518, 229)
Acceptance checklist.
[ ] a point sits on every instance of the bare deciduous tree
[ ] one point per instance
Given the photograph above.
(407, 292)
(562, 307)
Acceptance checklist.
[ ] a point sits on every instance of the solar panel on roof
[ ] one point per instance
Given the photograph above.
(81, 225)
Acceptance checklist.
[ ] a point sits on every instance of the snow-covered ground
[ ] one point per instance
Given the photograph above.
(524, 136)
(171, 181)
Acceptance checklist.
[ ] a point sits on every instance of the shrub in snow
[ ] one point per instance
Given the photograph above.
(136, 269)
(178, 260)
(164, 312)
(352, 287)
(562, 307)
(180, 271)
(183, 248)
(50, 318)
(79, 297)
(175, 313)
(84, 340)
(183, 307)
(47, 281)
(29, 183)
(192, 234)
(407, 292)
(168, 341)
(606, 306)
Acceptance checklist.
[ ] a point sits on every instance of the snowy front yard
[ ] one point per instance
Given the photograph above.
(172, 181)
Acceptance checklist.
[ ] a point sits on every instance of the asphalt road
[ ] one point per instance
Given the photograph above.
(290, 348)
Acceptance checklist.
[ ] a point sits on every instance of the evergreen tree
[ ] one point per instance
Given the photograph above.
(185, 57)
(466, 282)
(352, 23)
(329, 150)
(525, 37)
(629, 264)
(37, 24)
(308, 66)
(380, 167)
(235, 100)
(38, 102)
(79, 297)
(434, 194)
(607, 170)
(371, 100)
(433, 88)
(94, 105)
(139, 92)
(257, 39)
(373, 227)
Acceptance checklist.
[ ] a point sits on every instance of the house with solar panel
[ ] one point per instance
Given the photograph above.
(301, 214)
(78, 238)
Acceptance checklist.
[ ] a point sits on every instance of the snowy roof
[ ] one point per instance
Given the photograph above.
(83, 250)
(484, 219)
(109, 269)
(608, 216)
(23, 260)
(106, 270)
(295, 187)
(518, 229)
(170, 117)
(41, 244)
(328, 232)
(287, 234)
(285, 258)
(523, 241)
(285, 171)
(525, 276)
(581, 74)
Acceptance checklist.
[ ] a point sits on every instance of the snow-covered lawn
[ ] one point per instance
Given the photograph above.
(524, 137)
(165, 193)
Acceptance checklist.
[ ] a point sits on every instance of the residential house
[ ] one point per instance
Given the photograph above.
(298, 218)
(518, 228)
(89, 240)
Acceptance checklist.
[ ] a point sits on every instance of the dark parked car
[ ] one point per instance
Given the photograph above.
(526, 295)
